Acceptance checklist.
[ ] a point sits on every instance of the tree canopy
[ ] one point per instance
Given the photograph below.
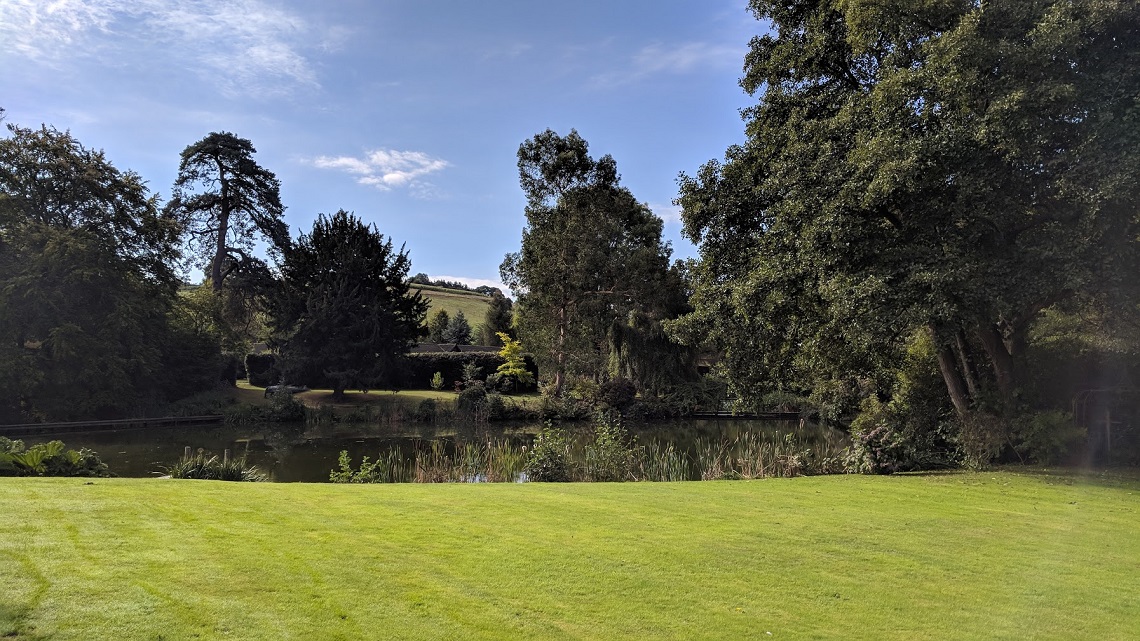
(344, 311)
(591, 254)
(950, 168)
(227, 202)
(86, 281)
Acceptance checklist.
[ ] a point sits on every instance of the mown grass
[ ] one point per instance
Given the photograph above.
(958, 556)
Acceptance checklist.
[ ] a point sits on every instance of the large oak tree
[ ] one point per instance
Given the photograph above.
(947, 167)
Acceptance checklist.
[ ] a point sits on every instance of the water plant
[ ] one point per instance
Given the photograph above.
(201, 466)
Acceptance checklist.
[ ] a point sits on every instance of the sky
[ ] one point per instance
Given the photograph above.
(407, 113)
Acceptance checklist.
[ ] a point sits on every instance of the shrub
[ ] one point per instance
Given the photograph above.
(617, 393)
(212, 469)
(262, 370)
(609, 456)
(283, 408)
(876, 447)
(471, 399)
(547, 460)
(1048, 437)
(232, 369)
(425, 412)
(437, 381)
(48, 459)
(981, 437)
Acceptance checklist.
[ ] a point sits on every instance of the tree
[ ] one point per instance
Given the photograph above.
(86, 282)
(498, 319)
(458, 330)
(227, 202)
(514, 365)
(437, 325)
(344, 311)
(590, 254)
(947, 168)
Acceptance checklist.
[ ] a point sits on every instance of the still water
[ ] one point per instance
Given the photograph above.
(300, 453)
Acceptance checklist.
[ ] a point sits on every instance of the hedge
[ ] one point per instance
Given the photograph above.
(414, 371)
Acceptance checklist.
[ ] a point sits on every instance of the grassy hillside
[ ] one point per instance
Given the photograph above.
(958, 556)
(474, 306)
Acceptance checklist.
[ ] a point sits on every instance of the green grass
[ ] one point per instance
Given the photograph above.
(474, 306)
(959, 556)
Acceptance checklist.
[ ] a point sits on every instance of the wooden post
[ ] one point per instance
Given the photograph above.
(226, 456)
(186, 452)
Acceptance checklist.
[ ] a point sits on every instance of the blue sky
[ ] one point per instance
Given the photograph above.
(407, 113)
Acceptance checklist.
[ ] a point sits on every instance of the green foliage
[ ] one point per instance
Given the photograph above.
(1048, 437)
(283, 408)
(227, 202)
(344, 312)
(947, 167)
(471, 373)
(610, 455)
(547, 460)
(437, 325)
(590, 254)
(513, 373)
(48, 459)
(437, 381)
(87, 286)
(470, 400)
(498, 320)
(262, 370)
(617, 393)
(201, 467)
(385, 469)
(415, 371)
(458, 330)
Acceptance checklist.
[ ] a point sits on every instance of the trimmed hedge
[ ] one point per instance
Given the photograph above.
(262, 370)
(415, 370)
(412, 371)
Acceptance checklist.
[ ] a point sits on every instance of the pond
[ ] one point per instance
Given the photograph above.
(300, 453)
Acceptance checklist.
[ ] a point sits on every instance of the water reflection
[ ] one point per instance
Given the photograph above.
(300, 453)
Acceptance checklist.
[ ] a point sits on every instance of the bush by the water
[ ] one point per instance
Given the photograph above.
(548, 459)
(201, 466)
(48, 459)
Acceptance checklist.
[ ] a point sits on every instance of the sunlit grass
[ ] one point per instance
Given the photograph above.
(962, 556)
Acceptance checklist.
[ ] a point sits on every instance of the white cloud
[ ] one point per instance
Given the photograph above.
(658, 59)
(243, 46)
(386, 169)
(669, 213)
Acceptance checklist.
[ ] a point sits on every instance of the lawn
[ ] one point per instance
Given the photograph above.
(998, 555)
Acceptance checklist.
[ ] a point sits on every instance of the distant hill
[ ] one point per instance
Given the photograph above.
(473, 304)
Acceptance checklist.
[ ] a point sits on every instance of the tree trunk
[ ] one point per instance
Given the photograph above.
(1000, 359)
(967, 367)
(949, 368)
(223, 231)
(560, 354)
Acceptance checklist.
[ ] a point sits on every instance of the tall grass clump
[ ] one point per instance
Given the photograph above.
(754, 455)
(211, 468)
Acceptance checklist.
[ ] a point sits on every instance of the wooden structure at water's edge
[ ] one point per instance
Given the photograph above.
(754, 416)
(39, 429)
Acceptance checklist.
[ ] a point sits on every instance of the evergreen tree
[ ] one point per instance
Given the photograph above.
(344, 312)
(437, 325)
(458, 330)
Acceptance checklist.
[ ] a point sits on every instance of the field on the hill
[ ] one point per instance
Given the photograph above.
(997, 555)
(474, 306)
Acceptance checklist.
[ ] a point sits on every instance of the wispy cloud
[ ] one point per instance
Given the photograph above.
(658, 59)
(244, 46)
(667, 212)
(387, 169)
